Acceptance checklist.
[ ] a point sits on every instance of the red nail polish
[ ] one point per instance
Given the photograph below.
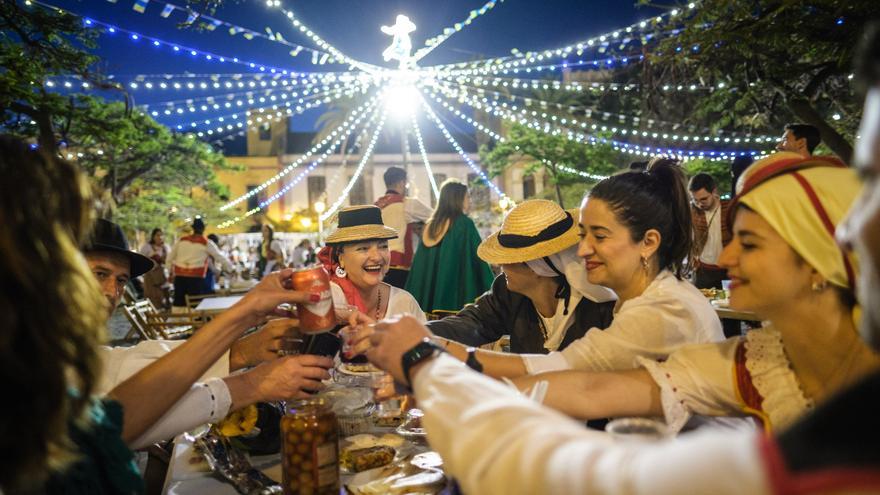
(315, 298)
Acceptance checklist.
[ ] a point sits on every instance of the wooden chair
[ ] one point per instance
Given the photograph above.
(138, 326)
(198, 318)
(163, 325)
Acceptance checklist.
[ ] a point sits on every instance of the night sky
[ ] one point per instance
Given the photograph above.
(352, 26)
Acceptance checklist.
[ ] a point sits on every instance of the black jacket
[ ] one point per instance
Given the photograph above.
(501, 312)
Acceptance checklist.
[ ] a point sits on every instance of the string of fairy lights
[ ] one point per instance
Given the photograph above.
(508, 88)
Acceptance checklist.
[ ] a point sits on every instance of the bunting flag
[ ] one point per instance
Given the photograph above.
(296, 51)
(140, 6)
(248, 35)
(167, 10)
(324, 59)
(233, 30)
(112, 1)
(314, 58)
(191, 18)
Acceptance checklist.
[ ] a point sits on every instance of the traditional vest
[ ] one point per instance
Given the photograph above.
(398, 259)
(196, 271)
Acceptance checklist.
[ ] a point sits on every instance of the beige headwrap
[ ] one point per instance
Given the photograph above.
(804, 199)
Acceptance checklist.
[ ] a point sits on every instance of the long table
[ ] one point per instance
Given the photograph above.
(216, 304)
(188, 473)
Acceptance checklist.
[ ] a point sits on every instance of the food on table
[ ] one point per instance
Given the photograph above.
(401, 478)
(427, 460)
(412, 425)
(357, 460)
(364, 440)
(310, 449)
(359, 368)
(239, 422)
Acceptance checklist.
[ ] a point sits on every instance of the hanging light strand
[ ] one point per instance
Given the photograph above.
(459, 149)
(343, 129)
(357, 173)
(421, 143)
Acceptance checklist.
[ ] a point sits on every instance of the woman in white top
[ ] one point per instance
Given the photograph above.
(357, 258)
(786, 267)
(635, 233)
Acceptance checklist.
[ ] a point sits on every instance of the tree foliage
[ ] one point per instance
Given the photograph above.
(537, 150)
(778, 61)
(143, 172)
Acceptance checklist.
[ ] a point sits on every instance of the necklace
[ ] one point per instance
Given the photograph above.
(379, 303)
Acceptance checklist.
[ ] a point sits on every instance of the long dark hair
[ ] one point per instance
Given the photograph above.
(654, 199)
(449, 206)
(155, 231)
(44, 354)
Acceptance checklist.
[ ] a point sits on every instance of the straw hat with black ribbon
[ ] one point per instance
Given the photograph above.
(360, 223)
(542, 235)
(532, 230)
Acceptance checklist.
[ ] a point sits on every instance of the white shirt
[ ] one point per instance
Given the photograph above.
(493, 440)
(399, 302)
(558, 324)
(712, 248)
(207, 401)
(194, 255)
(398, 215)
(668, 314)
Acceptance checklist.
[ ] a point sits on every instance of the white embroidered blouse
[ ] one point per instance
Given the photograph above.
(748, 375)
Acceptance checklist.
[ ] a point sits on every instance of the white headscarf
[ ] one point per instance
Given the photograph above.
(572, 266)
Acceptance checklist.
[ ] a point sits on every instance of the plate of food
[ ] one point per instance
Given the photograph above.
(365, 452)
(412, 424)
(361, 369)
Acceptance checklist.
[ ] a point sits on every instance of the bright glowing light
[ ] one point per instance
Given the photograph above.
(319, 207)
(401, 101)
(306, 222)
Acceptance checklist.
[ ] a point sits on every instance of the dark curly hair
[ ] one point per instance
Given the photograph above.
(51, 311)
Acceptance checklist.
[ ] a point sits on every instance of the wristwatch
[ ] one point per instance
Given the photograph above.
(472, 360)
(420, 352)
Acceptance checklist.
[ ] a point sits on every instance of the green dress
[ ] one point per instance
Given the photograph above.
(449, 275)
(105, 463)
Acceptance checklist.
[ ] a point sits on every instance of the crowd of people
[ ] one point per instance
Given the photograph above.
(598, 302)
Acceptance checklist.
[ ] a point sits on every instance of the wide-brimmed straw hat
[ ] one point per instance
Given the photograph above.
(360, 223)
(532, 230)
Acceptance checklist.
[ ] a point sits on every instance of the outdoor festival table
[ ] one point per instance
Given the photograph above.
(188, 473)
(216, 304)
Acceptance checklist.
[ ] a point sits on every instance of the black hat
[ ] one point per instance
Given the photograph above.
(107, 236)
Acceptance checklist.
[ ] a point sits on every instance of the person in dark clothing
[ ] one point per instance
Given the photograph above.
(542, 300)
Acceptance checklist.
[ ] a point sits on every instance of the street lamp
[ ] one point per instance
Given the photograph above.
(319, 208)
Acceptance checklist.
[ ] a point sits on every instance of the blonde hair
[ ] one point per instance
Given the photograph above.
(51, 311)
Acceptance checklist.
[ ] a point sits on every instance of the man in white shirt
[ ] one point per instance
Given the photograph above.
(189, 260)
(711, 232)
(400, 213)
(113, 265)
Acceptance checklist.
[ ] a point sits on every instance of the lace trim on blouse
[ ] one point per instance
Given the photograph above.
(773, 377)
(675, 411)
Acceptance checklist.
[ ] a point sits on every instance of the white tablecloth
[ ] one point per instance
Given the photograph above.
(216, 304)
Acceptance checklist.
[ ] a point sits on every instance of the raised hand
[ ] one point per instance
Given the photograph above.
(262, 345)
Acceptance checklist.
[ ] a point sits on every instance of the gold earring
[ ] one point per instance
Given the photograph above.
(819, 286)
(645, 263)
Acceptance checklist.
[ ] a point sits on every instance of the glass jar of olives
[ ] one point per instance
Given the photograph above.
(310, 449)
